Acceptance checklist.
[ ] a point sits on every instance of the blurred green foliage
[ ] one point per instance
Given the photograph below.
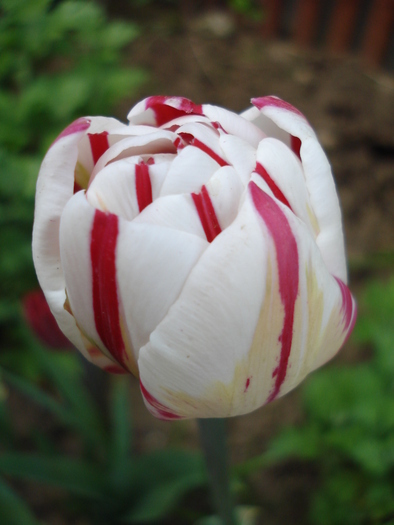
(105, 481)
(348, 432)
(58, 61)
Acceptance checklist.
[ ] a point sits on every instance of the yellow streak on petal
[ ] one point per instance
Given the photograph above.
(252, 379)
(323, 342)
(81, 175)
(131, 360)
(99, 355)
(313, 219)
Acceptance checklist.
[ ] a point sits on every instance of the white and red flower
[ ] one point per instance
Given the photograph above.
(198, 249)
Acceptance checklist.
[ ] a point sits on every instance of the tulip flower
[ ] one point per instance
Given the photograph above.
(200, 250)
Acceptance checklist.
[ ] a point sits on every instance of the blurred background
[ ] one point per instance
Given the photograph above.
(78, 446)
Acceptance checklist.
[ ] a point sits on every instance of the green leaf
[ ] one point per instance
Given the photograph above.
(39, 397)
(342, 396)
(160, 480)
(13, 510)
(85, 416)
(303, 443)
(159, 501)
(79, 477)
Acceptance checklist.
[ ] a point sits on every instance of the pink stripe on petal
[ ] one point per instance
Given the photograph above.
(348, 308)
(206, 212)
(260, 170)
(78, 125)
(203, 147)
(160, 410)
(170, 108)
(262, 102)
(143, 185)
(103, 242)
(288, 270)
(99, 144)
(218, 127)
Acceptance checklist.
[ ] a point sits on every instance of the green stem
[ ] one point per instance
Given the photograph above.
(213, 442)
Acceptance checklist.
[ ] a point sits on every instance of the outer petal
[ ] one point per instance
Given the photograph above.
(76, 234)
(55, 187)
(318, 178)
(319, 311)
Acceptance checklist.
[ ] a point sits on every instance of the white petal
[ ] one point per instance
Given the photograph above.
(190, 170)
(153, 263)
(240, 154)
(266, 125)
(54, 188)
(225, 189)
(234, 124)
(173, 211)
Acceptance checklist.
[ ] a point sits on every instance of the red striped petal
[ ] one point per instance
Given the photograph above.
(99, 144)
(206, 212)
(288, 272)
(160, 410)
(143, 185)
(170, 108)
(198, 144)
(105, 293)
(262, 102)
(348, 307)
(271, 184)
(78, 125)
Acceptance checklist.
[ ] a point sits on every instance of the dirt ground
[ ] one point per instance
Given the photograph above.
(225, 62)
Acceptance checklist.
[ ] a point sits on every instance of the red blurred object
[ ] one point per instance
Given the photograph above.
(41, 321)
